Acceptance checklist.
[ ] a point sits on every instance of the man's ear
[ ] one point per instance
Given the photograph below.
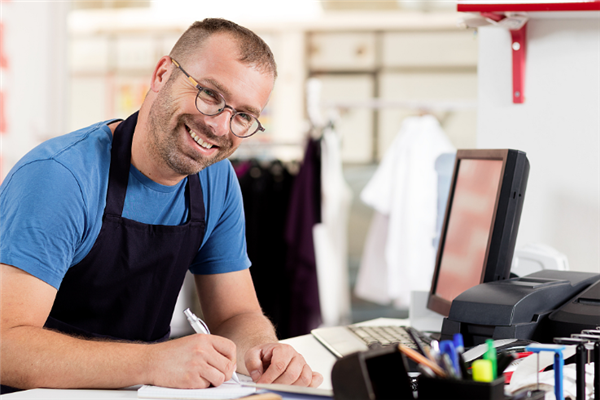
(161, 73)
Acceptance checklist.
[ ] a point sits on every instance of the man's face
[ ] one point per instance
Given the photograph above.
(187, 141)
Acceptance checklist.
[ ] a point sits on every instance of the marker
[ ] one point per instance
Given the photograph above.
(482, 371)
(201, 327)
(490, 354)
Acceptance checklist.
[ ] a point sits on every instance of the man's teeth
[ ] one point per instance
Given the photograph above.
(199, 140)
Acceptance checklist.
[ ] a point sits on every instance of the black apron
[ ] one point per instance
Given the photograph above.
(127, 286)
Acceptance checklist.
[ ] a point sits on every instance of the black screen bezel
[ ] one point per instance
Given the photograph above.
(505, 220)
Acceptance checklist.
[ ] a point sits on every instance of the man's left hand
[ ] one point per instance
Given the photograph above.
(280, 363)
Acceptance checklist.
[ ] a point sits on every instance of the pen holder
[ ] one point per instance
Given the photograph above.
(455, 389)
(374, 374)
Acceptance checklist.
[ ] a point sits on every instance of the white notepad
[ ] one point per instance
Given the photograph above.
(228, 390)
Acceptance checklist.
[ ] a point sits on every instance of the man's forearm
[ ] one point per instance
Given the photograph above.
(34, 357)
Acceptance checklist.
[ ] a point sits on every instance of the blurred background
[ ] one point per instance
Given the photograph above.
(360, 67)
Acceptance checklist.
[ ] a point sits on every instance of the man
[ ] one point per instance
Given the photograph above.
(99, 227)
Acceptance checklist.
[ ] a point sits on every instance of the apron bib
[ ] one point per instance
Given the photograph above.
(127, 286)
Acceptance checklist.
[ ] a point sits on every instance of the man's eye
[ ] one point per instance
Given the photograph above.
(245, 117)
(209, 93)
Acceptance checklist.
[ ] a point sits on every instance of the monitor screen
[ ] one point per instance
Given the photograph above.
(481, 223)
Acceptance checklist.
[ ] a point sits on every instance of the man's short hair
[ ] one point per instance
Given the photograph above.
(253, 50)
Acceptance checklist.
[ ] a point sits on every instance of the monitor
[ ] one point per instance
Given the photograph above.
(481, 222)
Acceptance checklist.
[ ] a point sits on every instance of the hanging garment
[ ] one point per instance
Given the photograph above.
(266, 189)
(403, 190)
(331, 235)
(303, 213)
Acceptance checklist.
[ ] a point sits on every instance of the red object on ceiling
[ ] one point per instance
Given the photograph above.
(495, 12)
(524, 6)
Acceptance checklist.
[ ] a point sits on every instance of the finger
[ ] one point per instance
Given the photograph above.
(221, 363)
(198, 383)
(213, 375)
(212, 363)
(317, 379)
(305, 377)
(254, 362)
(283, 369)
(224, 346)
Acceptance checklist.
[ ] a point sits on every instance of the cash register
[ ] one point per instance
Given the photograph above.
(472, 285)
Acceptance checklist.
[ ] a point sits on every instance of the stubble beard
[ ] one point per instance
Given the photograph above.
(167, 145)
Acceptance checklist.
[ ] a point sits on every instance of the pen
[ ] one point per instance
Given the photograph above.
(448, 350)
(420, 359)
(200, 327)
(414, 335)
(459, 345)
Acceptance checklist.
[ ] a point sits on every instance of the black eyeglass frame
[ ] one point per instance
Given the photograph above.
(233, 114)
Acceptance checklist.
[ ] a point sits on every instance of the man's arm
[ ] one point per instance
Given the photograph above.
(31, 356)
(231, 309)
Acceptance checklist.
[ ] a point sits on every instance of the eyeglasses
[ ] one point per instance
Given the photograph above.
(211, 103)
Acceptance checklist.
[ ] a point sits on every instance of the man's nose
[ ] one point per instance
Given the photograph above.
(220, 122)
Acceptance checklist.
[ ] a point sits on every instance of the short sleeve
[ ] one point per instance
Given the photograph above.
(224, 247)
(42, 214)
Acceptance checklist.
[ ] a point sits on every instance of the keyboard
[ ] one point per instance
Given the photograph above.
(385, 335)
(344, 340)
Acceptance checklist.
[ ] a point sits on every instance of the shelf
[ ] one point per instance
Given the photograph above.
(507, 6)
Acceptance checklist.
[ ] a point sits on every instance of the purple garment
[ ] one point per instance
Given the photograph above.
(303, 213)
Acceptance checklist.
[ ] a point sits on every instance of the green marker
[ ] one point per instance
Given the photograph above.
(490, 354)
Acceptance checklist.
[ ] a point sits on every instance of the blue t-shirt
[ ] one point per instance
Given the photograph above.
(52, 203)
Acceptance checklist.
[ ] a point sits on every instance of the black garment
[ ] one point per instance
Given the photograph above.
(127, 286)
(266, 191)
(303, 213)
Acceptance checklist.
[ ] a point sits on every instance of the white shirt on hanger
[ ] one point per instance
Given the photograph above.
(331, 235)
(403, 192)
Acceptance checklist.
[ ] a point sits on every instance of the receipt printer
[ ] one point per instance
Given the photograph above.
(520, 308)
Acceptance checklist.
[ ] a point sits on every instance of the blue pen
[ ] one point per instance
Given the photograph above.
(447, 347)
(459, 343)
(200, 327)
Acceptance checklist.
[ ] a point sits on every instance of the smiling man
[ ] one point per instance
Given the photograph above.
(98, 228)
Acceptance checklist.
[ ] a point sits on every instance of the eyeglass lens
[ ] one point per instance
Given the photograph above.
(211, 103)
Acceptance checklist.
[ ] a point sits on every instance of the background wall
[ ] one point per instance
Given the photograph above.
(558, 127)
(34, 76)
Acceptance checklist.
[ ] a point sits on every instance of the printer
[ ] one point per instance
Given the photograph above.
(537, 307)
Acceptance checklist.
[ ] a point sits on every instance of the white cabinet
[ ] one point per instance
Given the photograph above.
(342, 51)
(429, 49)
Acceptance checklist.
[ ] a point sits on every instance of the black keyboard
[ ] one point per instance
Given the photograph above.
(375, 336)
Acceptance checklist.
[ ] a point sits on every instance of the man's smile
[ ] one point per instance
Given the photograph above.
(198, 139)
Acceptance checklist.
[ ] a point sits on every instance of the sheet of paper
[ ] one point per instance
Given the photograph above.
(526, 371)
(228, 390)
(275, 387)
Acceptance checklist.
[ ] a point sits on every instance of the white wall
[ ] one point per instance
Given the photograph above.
(34, 84)
(558, 127)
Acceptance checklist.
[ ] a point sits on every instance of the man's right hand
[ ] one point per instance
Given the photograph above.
(193, 362)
